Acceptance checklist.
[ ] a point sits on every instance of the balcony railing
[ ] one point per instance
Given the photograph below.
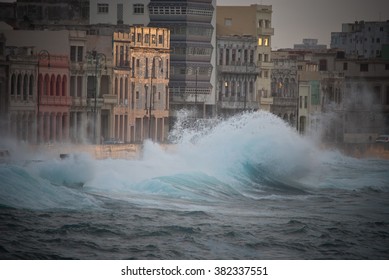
(269, 31)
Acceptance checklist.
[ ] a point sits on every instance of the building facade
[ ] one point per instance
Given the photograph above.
(364, 39)
(193, 37)
(141, 77)
(237, 74)
(32, 13)
(284, 85)
(256, 21)
(119, 12)
(37, 101)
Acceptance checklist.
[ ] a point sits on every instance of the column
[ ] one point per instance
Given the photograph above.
(74, 127)
(53, 122)
(66, 129)
(46, 120)
(59, 127)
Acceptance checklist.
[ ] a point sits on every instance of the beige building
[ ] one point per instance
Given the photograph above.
(140, 84)
(256, 21)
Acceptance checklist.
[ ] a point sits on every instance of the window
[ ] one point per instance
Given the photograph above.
(102, 8)
(345, 66)
(364, 67)
(80, 53)
(221, 57)
(147, 38)
(260, 41)
(377, 95)
(387, 66)
(73, 50)
(305, 101)
(139, 9)
(323, 65)
(227, 21)
(251, 56)
(160, 39)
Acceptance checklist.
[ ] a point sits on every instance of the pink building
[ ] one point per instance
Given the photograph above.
(38, 102)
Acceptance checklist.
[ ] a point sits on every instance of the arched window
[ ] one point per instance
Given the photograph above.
(121, 90)
(116, 86)
(64, 87)
(31, 86)
(19, 86)
(126, 90)
(52, 85)
(13, 82)
(58, 86)
(46, 85)
(25, 85)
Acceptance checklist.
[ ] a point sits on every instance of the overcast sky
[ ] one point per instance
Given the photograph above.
(294, 20)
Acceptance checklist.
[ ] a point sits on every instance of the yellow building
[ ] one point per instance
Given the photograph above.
(140, 84)
(254, 20)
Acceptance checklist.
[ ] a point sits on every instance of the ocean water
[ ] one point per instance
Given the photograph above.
(248, 187)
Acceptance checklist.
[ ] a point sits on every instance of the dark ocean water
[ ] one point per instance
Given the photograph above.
(247, 188)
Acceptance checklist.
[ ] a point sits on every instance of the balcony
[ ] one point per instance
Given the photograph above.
(265, 65)
(56, 100)
(266, 101)
(268, 31)
(110, 99)
(238, 68)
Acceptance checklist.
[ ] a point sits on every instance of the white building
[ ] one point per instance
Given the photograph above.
(132, 12)
(362, 39)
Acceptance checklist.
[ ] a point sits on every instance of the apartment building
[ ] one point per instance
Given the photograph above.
(256, 21)
(37, 102)
(284, 85)
(364, 39)
(141, 77)
(237, 74)
(193, 37)
(119, 12)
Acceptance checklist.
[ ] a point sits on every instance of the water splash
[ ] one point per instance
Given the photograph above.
(249, 156)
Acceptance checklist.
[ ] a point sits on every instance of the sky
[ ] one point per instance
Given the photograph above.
(294, 20)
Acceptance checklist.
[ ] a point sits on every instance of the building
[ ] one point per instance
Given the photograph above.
(364, 39)
(256, 21)
(119, 12)
(364, 104)
(309, 44)
(38, 102)
(284, 85)
(31, 14)
(141, 76)
(237, 73)
(193, 37)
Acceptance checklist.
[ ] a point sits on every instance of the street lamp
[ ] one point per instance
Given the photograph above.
(152, 90)
(42, 55)
(97, 58)
(197, 69)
